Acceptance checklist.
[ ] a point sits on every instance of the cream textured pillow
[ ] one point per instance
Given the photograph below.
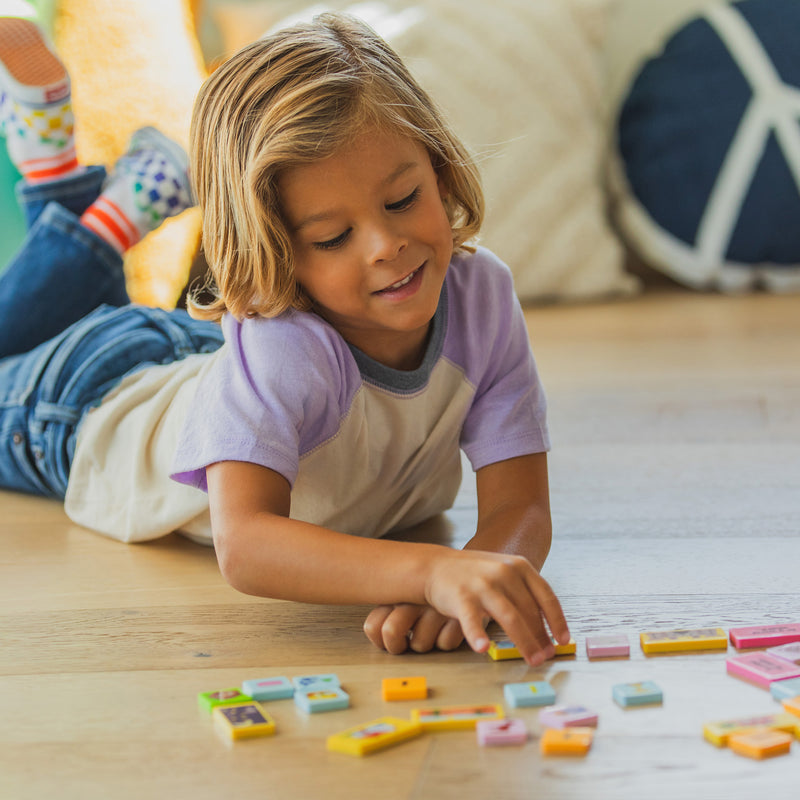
(522, 84)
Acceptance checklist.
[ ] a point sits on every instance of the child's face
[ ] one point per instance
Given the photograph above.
(372, 242)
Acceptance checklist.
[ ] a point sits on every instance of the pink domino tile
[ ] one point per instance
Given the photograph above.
(568, 717)
(761, 668)
(607, 646)
(789, 652)
(764, 635)
(501, 731)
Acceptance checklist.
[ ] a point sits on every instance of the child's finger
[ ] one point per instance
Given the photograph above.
(450, 636)
(399, 626)
(526, 630)
(550, 607)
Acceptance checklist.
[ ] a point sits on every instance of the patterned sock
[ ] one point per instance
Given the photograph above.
(149, 184)
(35, 107)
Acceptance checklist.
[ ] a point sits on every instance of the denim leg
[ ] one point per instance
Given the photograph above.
(75, 194)
(45, 394)
(62, 272)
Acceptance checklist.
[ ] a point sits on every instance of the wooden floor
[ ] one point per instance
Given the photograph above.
(676, 501)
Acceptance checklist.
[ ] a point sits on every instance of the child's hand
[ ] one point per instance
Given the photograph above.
(395, 628)
(470, 585)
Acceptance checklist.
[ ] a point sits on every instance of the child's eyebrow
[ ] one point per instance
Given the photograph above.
(326, 215)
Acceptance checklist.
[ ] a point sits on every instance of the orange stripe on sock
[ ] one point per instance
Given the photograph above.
(49, 173)
(65, 155)
(107, 222)
(122, 218)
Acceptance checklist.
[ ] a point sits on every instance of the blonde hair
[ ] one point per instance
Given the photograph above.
(288, 99)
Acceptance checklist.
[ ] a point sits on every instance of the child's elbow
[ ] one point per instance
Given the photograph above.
(236, 564)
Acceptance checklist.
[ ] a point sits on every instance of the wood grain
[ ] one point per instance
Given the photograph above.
(675, 483)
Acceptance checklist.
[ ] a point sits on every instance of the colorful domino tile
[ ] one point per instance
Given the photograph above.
(792, 705)
(333, 699)
(683, 639)
(761, 669)
(492, 732)
(453, 718)
(764, 635)
(566, 742)
(534, 693)
(244, 720)
(718, 732)
(268, 688)
(608, 646)
(760, 743)
(404, 688)
(789, 652)
(568, 717)
(637, 694)
(316, 683)
(368, 737)
(568, 649)
(503, 651)
(221, 697)
(782, 690)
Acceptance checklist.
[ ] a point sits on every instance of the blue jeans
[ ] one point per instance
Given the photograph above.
(68, 334)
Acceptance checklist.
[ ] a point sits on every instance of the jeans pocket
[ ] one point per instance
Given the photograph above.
(19, 472)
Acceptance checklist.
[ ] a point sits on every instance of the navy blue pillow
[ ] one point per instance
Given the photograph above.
(709, 150)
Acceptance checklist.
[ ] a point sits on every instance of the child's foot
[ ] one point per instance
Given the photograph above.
(35, 107)
(149, 183)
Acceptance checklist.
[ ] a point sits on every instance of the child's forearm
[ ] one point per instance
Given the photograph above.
(282, 558)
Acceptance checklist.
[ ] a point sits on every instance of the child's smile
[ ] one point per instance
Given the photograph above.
(372, 242)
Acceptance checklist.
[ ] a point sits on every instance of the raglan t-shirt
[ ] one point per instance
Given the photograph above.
(366, 449)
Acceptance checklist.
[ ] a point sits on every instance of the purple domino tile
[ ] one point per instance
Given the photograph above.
(567, 717)
(789, 652)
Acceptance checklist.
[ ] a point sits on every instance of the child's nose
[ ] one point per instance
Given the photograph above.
(386, 243)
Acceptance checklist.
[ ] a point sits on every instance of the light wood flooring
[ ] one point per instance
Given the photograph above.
(675, 483)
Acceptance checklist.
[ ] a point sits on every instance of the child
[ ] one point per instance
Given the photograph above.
(364, 344)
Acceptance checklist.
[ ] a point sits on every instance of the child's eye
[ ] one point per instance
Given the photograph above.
(403, 204)
(332, 244)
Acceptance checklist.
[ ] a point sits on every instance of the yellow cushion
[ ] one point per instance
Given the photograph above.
(136, 64)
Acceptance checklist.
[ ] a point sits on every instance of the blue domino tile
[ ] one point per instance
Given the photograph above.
(783, 690)
(536, 693)
(328, 699)
(637, 694)
(279, 688)
(316, 683)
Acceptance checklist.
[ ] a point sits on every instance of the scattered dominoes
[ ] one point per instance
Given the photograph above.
(533, 693)
(764, 635)
(244, 720)
(566, 741)
(501, 732)
(369, 737)
(761, 668)
(684, 639)
(404, 688)
(614, 646)
(451, 718)
(643, 693)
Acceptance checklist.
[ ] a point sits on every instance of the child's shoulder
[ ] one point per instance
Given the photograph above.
(479, 279)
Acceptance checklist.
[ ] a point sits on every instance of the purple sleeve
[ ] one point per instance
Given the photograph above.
(508, 414)
(276, 390)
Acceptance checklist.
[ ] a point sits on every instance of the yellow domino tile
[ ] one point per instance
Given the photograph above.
(792, 705)
(566, 741)
(719, 732)
(568, 649)
(684, 639)
(404, 688)
(368, 737)
(760, 743)
(451, 718)
(243, 721)
(502, 651)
